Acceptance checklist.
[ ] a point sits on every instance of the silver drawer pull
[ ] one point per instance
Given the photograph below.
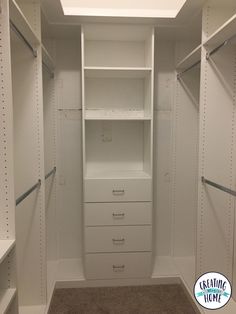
(118, 241)
(120, 215)
(118, 192)
(118, 268)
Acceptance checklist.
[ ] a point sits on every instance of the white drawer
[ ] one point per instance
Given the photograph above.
(118, 265)
(117, 190)
(118, 239)
(104, 214)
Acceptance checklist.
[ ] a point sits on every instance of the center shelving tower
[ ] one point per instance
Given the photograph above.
(117, 106)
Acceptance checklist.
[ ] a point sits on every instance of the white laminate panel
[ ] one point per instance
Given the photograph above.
(118, 265)
(118, 239)
(117, 190)
(103, 214)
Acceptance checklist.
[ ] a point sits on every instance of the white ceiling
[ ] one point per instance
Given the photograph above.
(121, 8)
(189, 17)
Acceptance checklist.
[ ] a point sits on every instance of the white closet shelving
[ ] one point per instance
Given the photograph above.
(6, 297)
(127, 238)
(117, 134)
(5, 247)
(193, 57)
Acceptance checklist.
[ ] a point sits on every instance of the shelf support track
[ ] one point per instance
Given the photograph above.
(219, 187)
(27, 193)
(188, 69)
(52, 172)
(22, 37)
(226, 42)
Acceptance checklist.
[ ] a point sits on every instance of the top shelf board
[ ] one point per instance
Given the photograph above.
(47, 59)
(190, 59)
(97, 72)
(225, 32)
(21, 23)
(5, 247)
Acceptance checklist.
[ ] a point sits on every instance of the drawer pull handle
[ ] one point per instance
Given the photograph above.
(118, 241)
(118, 192)
(118, 268)
(121, 215)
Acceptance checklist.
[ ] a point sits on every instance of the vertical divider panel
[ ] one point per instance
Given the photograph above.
(83, 132)
(29, 168)
(216, 156)
(7, 195)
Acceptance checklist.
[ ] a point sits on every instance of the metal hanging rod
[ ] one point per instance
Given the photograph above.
(218, 186)
(48, 70)
(210, 53)
(27, 193)
(21, 36)
(189, 68)
(52, 172)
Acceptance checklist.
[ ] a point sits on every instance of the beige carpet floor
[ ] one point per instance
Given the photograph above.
(161, 299)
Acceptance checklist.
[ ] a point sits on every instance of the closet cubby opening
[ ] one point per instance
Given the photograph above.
(118, 149)
(117, 46)
(118, 94)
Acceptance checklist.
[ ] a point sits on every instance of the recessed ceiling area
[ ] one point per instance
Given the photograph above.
(188, 18)
(123, 8)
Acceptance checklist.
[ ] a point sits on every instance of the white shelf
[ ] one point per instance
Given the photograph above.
(70, 270)
(5, 247)
(108, 174)
(226, 31)
(36, 309)
(127, 72)
(164, 266)
(20, 21)
(186, 267)
(116, 115)
(190, 59)
(47, 59)
(6, 297)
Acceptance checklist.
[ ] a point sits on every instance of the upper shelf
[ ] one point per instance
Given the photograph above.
(225, 32)
(119, 72)
(5, 248)
(20, 22)
(47, 59)
(190, 59)
(116, 115)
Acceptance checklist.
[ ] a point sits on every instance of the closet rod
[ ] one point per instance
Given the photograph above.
(21, 36)
(53, 171)
(48, 70)
(218, 186)
(27, 193)
(189, 68)
(210, 53)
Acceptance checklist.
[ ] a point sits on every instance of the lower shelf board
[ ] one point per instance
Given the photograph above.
(70, 270)
(186, 268)
(100, 173)
(164, 266)
(6, 297)
(36, 309)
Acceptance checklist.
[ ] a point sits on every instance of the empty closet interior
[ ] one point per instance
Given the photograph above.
(117, 150)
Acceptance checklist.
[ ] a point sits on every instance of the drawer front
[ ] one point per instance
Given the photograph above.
(118, 239)
(104, 214)
(117, 190)
(118, 265)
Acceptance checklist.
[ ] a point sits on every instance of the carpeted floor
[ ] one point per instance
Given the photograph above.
(161, 299)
